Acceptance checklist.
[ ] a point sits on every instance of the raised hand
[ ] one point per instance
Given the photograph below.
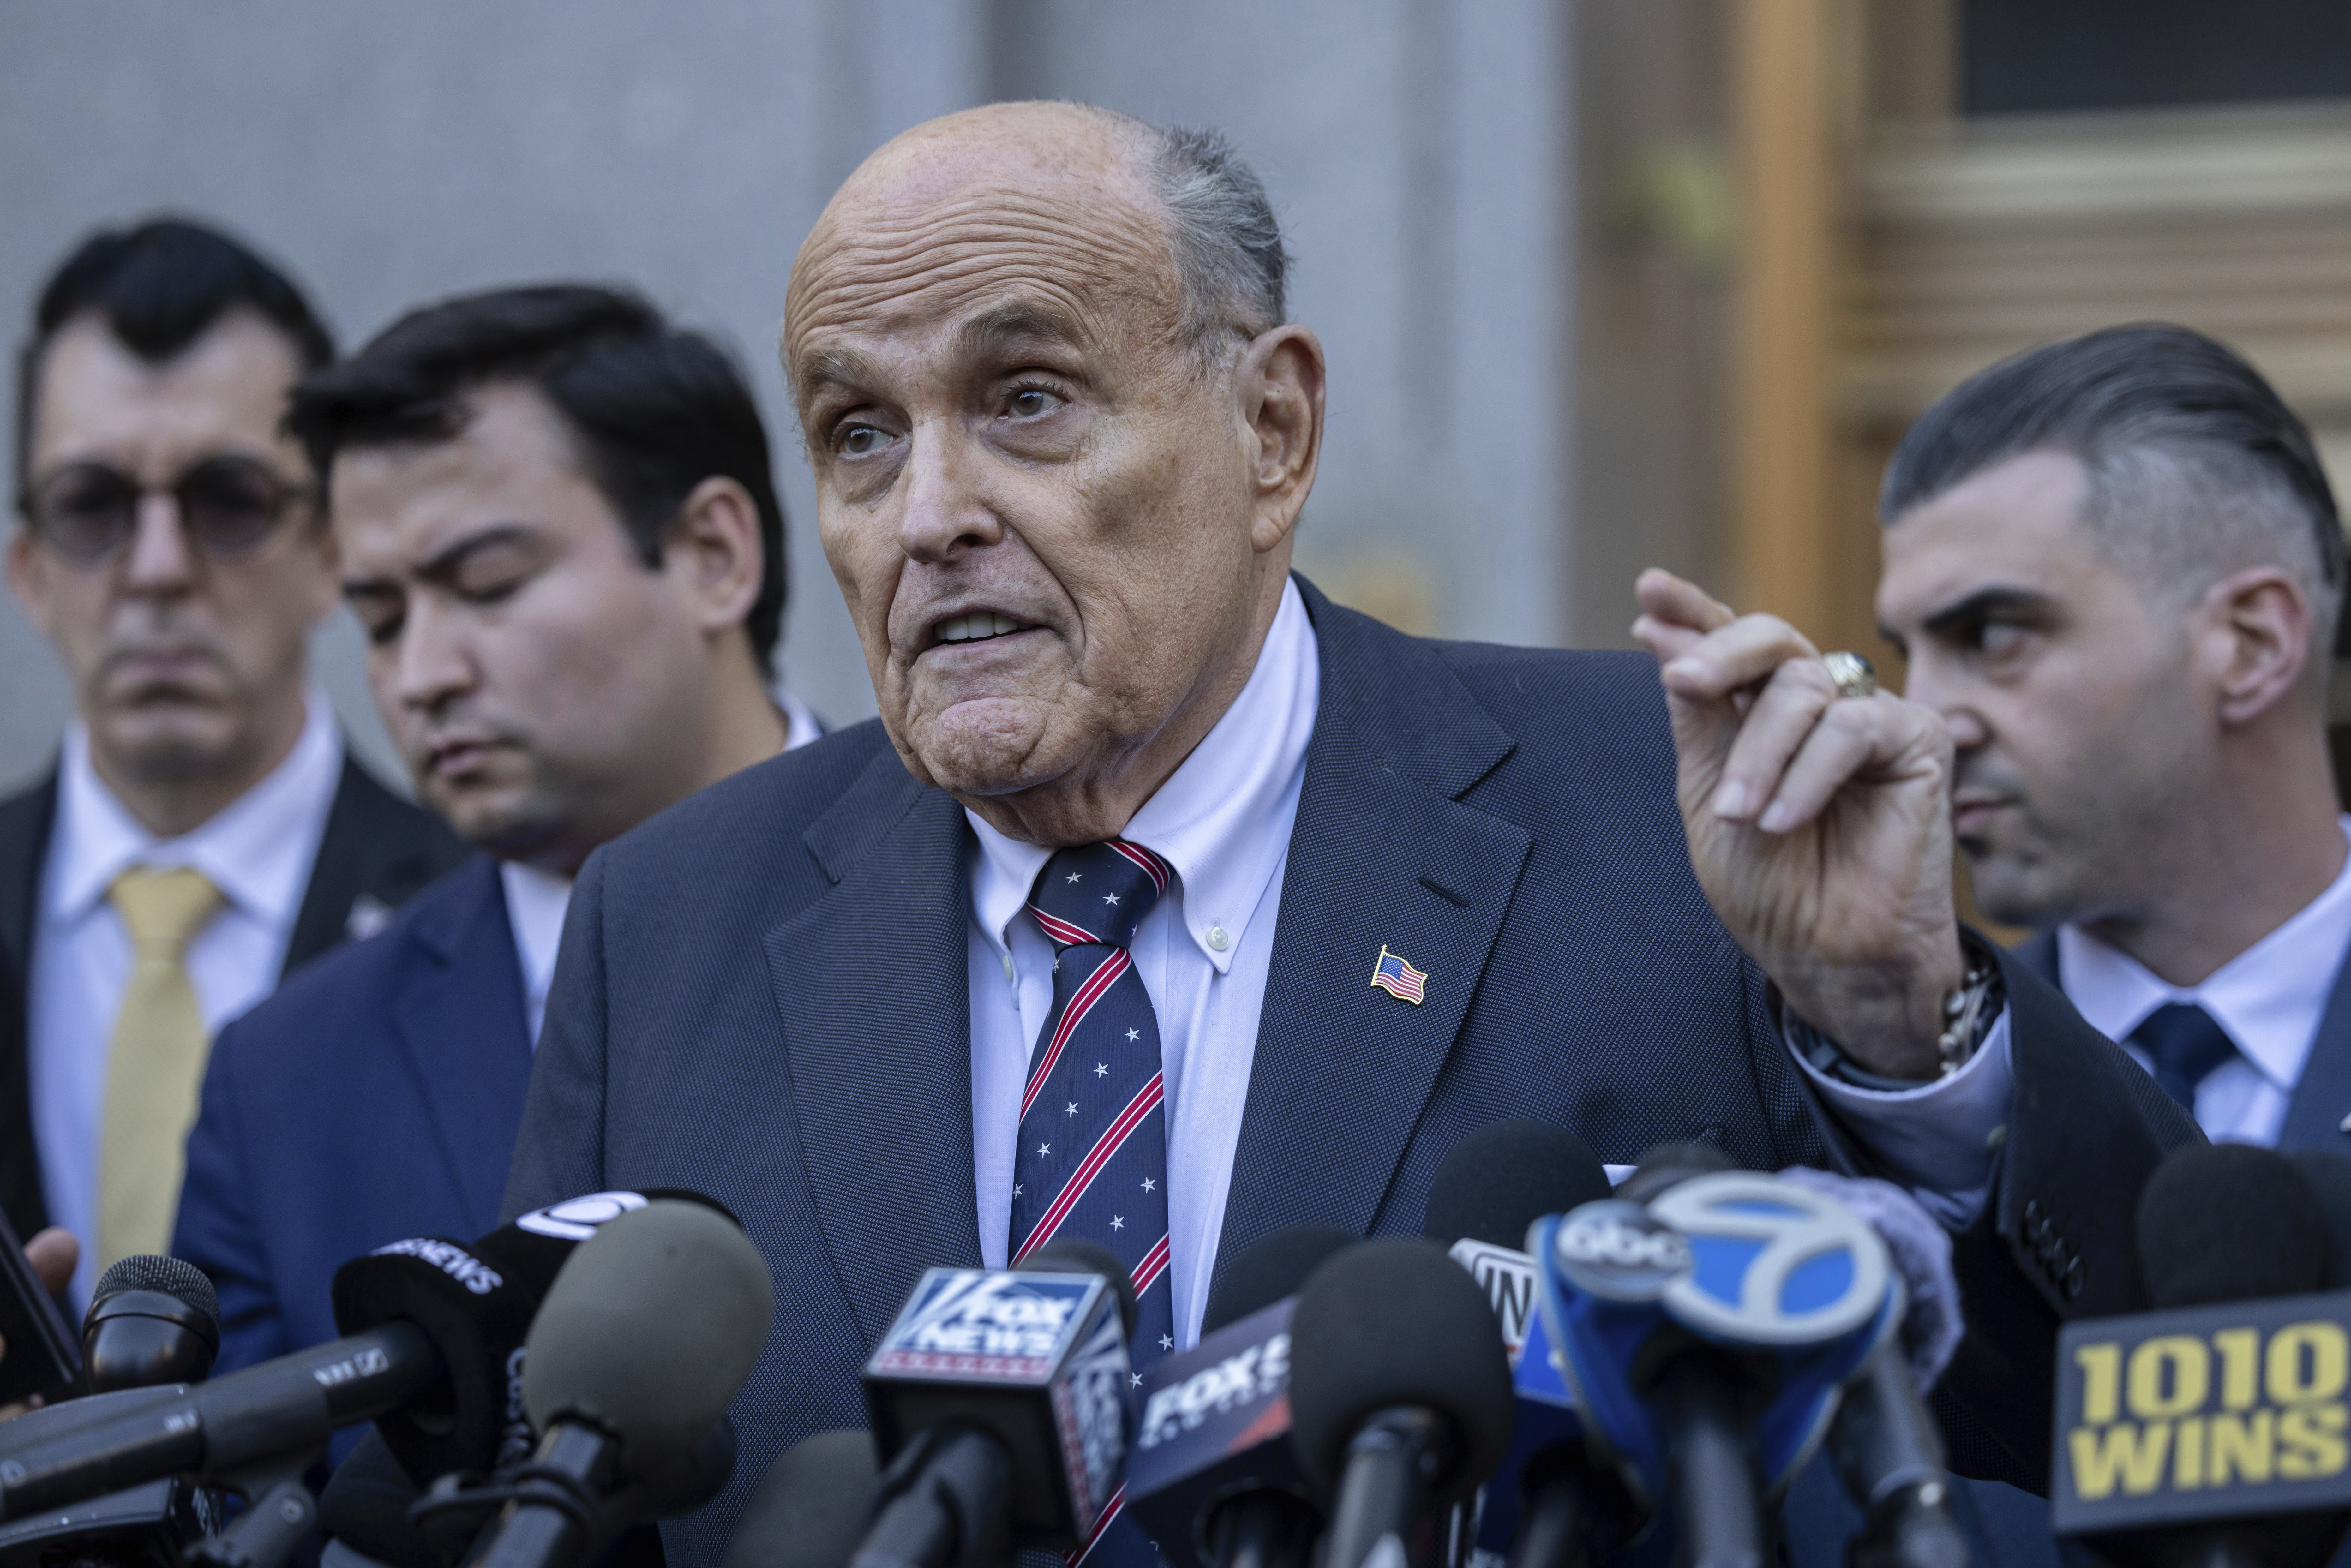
(1820, 825)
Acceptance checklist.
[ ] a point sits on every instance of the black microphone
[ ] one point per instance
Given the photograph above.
(644, 1338)
(1549, 1505)
(999, 1404)
(1212, 1476)
(151, 1319)
(2221, 1224)
(810, 1510)
(1400, 1403)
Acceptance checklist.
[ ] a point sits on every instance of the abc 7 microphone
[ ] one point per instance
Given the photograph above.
(1708, 1335)
(2211, 1431)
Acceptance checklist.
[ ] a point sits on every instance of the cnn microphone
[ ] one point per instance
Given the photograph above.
(1550, 1505)
(810, 1509)
(2210, 1432)
(999, 1402)
(644, 1338)
(1401, 1404)
(1212, 1475)
(151, 1319)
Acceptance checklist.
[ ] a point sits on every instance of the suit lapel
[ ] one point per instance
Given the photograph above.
(1384, 854)
(2313, 1117)
(458, 1006)
(872, 986)
(26, 825)
(2039, 954)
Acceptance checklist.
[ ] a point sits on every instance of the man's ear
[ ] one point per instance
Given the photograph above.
(714, 553)
(1279, 382)
(2260, 624)
(26, 580)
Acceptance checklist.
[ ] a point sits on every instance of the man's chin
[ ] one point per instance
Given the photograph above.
(170, 740)
(988, 747)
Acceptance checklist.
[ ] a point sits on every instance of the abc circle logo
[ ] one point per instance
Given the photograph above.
(1619, 1251)
(1771, 1263)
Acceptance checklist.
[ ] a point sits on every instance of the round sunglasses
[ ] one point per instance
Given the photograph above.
(88, 512)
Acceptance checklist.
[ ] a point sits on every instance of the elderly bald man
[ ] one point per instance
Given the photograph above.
(1168, 903)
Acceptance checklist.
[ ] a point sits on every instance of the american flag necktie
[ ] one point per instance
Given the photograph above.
(1092, 1161)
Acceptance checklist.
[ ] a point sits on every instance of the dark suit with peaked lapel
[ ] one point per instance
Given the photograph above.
(375, 1096)
(376, 852)
(763, 994)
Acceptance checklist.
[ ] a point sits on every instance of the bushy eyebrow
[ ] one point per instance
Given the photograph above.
(446, 565)
(988, 332)
(2008, 603)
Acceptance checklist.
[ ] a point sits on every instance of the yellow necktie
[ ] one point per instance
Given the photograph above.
(156, 1063)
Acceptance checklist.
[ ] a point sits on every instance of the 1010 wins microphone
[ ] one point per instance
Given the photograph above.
(1550, 1505)
(1212, 1476)
(1000, 1400)
(2211, 1432)
(645, 1336)
(1401, 1404)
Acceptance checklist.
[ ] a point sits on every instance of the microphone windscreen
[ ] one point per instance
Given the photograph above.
(1395, 1323)
(365, 1506)
(1504, 1176)
(1274, 1266)
(811, 1508)
(175, 1277)
(2230, 1222)
(648, 1331)
(1075, 1255)
(1670, 1165)
(1932, 1321)
(2328, 1171)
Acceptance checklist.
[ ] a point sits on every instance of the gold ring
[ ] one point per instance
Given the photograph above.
(1854, 675)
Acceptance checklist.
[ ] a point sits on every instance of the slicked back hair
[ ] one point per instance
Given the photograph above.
(651, 411)
(2195, 466)
(159, 287)
(1227, 242)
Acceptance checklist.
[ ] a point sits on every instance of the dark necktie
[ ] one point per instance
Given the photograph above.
(2184, 1045)
(1092, 1161)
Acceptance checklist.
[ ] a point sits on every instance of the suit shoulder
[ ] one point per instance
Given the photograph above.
(1547, 696)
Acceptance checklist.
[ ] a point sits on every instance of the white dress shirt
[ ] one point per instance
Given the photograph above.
(2269, 1001)
(1222, 820)
(258, 851)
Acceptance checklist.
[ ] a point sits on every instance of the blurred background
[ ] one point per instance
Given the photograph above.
(1604, 283)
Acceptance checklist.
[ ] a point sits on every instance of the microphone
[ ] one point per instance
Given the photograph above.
(1401, 1404)
(1707, 1335)
(151, 1319)
(645, 1336)
(1549, 1506)
(999, 1404)
(1213, 1476)
(810, 1509)
(2210, 1430)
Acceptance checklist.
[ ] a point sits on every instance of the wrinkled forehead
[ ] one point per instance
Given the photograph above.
(934, 247)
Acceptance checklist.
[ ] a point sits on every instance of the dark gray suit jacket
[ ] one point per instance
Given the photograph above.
(763, 995)
(375, 846)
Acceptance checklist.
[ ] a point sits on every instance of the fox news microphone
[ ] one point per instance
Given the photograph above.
(645, 1336)
(1212, 1475)
(1401, 1404)
(1550, 1505)
(1707, 1334)
(2210, 1432)
(810, 1509)
(999, 1406)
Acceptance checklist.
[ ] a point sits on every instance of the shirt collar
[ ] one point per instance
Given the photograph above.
(535, 903)
(2268, 999)
(256, 850)
(1222, 819)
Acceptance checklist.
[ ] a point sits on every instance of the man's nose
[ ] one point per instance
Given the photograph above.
(1930, 686)
(161, 560)
(946, 506)
(432, 662)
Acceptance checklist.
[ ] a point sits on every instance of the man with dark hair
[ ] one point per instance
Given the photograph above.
(2117, 569)
(1167, 903)
(559, 531)
(204, 830)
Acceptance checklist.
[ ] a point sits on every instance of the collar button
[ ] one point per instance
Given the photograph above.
(1217, 939)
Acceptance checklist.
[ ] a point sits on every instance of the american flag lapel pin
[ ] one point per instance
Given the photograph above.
(1399, 979)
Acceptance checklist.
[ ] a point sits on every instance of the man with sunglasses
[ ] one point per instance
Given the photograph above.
(203, 831)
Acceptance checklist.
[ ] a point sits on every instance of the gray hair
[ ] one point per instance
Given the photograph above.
(1228, 244)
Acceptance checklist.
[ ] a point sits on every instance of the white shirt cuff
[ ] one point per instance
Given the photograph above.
(1937, 1138)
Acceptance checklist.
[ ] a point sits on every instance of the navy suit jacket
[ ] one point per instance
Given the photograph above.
(763, 995)
(375, 1096)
